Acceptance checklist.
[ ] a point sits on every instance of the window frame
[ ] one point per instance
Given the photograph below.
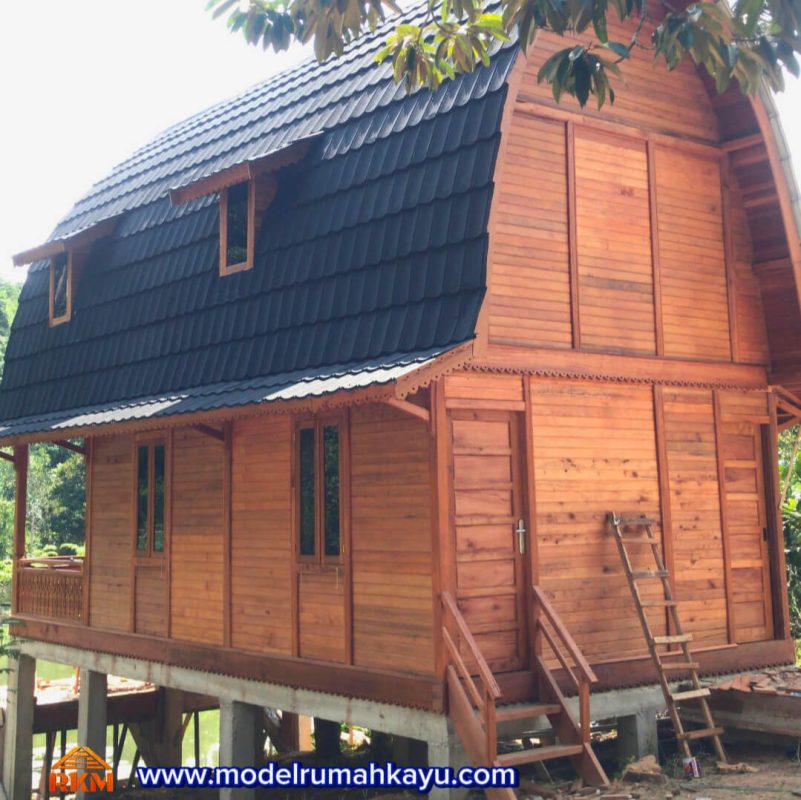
(319, 424)
(230, 269)
(151, 441)
(53, 320)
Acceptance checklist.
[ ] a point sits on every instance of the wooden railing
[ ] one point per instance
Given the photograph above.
(548, 626)
(50, 587)
(466, 695)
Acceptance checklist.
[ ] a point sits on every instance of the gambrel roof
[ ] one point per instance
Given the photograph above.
(371, 256)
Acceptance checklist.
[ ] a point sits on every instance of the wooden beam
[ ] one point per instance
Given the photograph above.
(620, 367)
(245, 170)
(20, 513)
(75, 448)
(228, 466)
(408, 407)
(209, 431)
(66, 243)
(390, 686)
(730, 145)
(7, 457)
(724, 520)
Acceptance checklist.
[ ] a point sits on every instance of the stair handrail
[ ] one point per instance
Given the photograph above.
(485, 701)
(586, 677)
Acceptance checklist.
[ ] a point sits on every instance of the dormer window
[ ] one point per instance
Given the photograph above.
(60, 288)
(237, 227)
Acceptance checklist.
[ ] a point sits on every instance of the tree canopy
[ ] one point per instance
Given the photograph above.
(746, 42)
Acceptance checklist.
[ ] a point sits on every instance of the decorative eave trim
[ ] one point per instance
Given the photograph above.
(246, 170)
(75, 241)
(623, 369)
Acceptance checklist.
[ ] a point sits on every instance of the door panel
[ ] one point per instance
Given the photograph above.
(150, 614)
(744, 495)
(488, 503)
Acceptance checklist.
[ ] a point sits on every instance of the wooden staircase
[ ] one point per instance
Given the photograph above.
(474, 695)
(671, 661)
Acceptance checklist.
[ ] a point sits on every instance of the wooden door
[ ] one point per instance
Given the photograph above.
(745, 519)
(488, 481)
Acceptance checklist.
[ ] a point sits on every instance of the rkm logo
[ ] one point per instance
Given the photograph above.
(81, 770)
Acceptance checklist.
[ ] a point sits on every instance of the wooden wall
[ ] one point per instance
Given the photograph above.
(393, 601)
(196, 552)
(687, 457)
(111, 525)
(607, 231)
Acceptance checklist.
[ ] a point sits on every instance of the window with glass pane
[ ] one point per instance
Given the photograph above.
(307, 504)
(158, 498)
(60, 278)
(331, 489)
(142, 500)
(236, 245)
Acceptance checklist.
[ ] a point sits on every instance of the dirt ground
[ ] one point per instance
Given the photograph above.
(776, 776)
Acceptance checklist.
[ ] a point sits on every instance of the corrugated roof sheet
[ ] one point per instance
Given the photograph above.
(256, 391)
(374, 245)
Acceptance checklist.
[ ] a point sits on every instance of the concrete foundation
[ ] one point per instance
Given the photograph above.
(240, 742)
(636, 735)
(92, 717)
(18, 734)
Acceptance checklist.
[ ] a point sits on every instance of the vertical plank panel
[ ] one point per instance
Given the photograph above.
(393, 616)
(111, 523)
(615, 269)
(261, 536)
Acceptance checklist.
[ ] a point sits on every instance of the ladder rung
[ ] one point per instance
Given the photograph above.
(678, 639)
(639, 540)
(658, 603)
(635, 521)
(693, 694)
(680, 665)
(702, 734)
(659, 573)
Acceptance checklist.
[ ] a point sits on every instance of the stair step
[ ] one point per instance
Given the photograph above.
(658, 603)
(702, 734)
(636, 521)
(525, 711)
(639, 540)
(678, 639)
(693, 694)
(539, 754)
(680, 665)
(647, 573)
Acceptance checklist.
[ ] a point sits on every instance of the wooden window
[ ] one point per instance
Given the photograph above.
(60, 288)
(151, 487)
(237, 227)
(319, 490)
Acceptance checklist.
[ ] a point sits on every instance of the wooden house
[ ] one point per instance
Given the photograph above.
(358, 377)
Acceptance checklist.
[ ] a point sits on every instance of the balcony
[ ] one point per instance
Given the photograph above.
(50, 587)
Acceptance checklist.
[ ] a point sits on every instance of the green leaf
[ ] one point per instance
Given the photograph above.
(618, 48)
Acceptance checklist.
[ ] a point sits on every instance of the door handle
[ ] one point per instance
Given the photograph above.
(521, 536)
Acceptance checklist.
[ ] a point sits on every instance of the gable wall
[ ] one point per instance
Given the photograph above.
(608, 227)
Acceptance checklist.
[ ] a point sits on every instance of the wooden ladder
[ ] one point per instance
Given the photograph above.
(473, 695)
(644, 536)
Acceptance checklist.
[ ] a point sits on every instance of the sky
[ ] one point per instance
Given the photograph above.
(84, 83)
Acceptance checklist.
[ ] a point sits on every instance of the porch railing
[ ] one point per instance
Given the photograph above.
(466, 695)
(547, 625)
(50, 587)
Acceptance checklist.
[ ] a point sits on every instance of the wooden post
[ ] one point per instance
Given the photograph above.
(20, 513)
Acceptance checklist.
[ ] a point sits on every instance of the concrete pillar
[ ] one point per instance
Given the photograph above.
(159, 738)
(636, 735)
(92, 714)
(18, 748)
(446, 750)
(240, 738)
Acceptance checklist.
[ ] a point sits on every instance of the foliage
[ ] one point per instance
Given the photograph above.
(792, 523)
(750, 41)
(56, 480)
